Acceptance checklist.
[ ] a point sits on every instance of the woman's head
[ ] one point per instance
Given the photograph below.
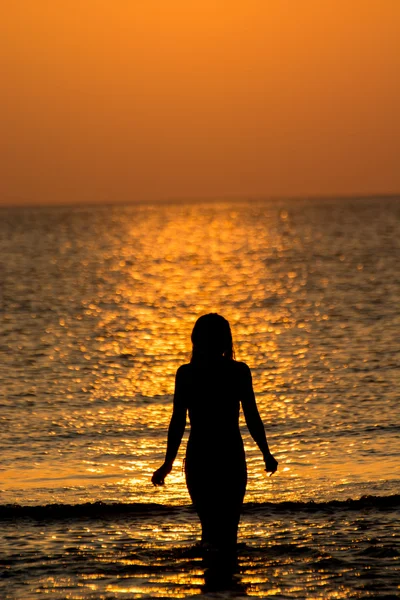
(211, 337)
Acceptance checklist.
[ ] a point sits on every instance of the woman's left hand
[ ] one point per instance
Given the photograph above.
(160, 474)
(271, 464)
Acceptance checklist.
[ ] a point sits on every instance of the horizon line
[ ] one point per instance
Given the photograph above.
(204, 200)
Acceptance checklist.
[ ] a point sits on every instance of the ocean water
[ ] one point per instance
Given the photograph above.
(97, 305)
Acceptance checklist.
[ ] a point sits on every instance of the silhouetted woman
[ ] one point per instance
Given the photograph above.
(211, 388)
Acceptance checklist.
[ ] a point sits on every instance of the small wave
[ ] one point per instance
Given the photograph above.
(380, 551)
(365, 502)
(98, 510)
(92, 510)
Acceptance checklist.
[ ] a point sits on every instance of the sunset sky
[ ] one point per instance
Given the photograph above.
(145, 100)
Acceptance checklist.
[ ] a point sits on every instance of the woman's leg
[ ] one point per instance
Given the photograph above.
(218, 499)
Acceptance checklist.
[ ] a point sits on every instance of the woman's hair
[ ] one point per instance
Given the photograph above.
(211, 336)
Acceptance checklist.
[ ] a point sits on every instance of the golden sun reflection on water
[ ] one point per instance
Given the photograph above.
(190, 265)
(305, 317)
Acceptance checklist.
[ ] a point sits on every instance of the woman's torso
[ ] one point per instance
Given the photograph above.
(212, 391)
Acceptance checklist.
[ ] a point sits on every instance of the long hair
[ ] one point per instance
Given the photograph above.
(212, 337)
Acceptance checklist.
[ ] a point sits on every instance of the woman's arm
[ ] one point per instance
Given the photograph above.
(176, 430)
(253, 419)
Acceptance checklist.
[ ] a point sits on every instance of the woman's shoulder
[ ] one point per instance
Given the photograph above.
(183, 370)
(241, 366)
(242, 371)
(235, 366)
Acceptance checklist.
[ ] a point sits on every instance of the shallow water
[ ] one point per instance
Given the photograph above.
(320, 552)
(97, 307)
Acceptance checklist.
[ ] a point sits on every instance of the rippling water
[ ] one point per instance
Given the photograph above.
(97, 308)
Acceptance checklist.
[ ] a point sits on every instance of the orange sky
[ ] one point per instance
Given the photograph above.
(132, 100)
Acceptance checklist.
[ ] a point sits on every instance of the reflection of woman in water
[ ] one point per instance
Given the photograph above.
(211, 388)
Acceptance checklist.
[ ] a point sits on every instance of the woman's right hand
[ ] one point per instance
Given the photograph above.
(160, 474)
(271, 464)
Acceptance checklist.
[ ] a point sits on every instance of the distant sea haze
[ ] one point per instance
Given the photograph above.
(97, 307)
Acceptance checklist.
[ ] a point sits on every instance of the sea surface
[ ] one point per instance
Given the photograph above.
(97, 306)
